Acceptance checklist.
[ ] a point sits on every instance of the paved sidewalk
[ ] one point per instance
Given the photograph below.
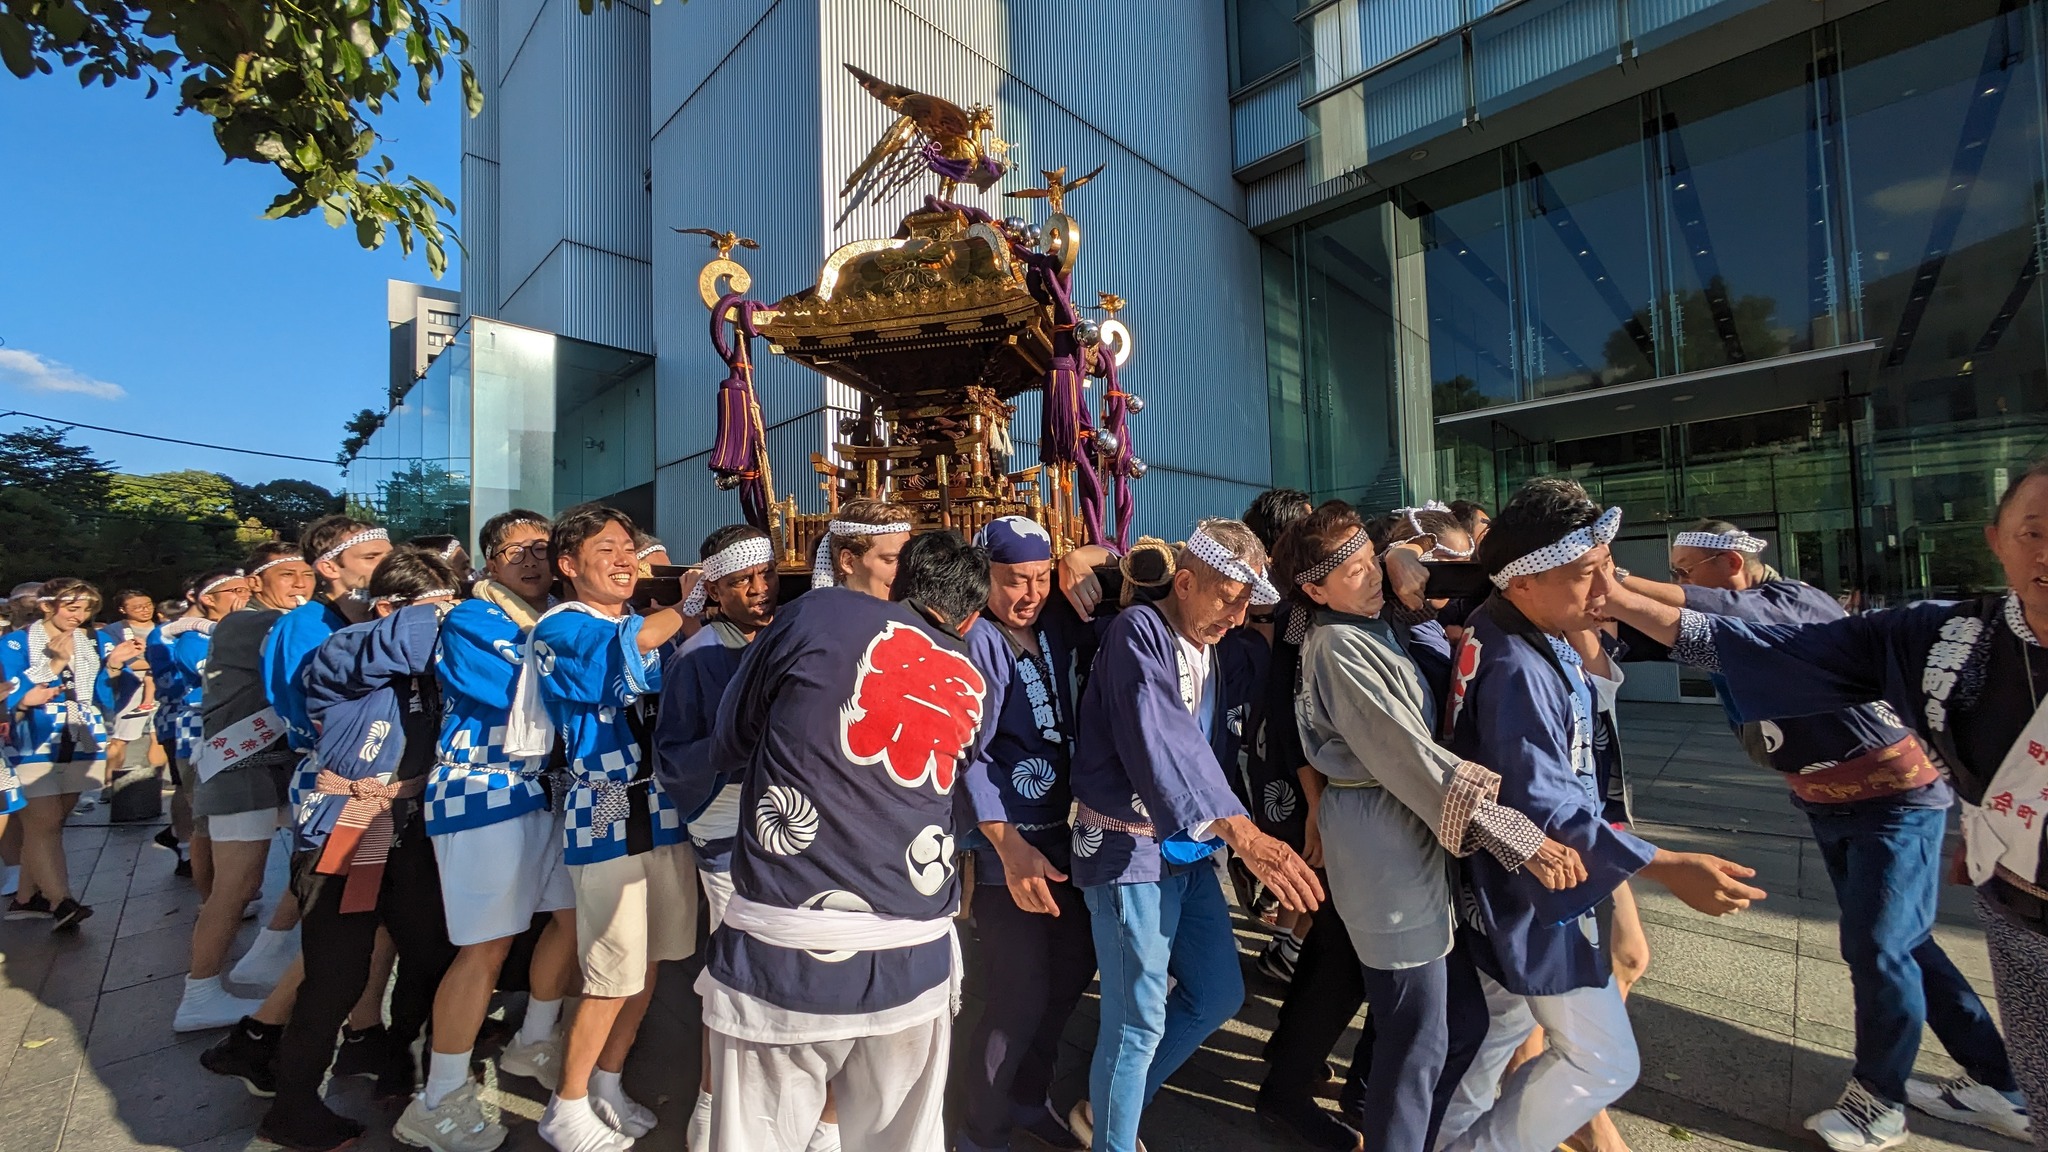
(1744, 1022)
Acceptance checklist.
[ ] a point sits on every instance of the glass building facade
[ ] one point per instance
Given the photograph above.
(510, 417)
(1795, 290)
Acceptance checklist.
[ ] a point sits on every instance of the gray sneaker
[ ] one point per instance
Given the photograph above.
(458, 1125)
(540, 1061)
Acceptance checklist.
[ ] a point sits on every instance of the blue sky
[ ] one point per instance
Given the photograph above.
(141, 288)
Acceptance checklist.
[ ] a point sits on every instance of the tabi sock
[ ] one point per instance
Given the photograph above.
(541, 1017)
(825, 1139)
(699, 1136)
(608, 1086)
(446, 1072)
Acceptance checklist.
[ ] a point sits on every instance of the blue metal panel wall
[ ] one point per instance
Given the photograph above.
(1387, 28)
(1542, 42)
(1271, 197)
(742, 152)
(1267, 119)
(606, 298)
(689, 46)
(1419, 97)
(477, 222)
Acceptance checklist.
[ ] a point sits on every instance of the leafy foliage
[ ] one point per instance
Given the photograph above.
(287, 84)
(424, 499)
(65, 511)
(360, 428)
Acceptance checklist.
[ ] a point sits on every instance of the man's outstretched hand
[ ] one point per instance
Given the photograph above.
(1708, 883)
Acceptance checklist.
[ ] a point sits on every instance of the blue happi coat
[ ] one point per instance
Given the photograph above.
(285, 654)
(847, 725)
(592, 674)
(123, 684)
(1143, 757)
(34, 737)
(1020, 772)
(474, 782)
(1797, 742)
(365, 688)
(1963, 675)
(693, 681)
(1521, 705)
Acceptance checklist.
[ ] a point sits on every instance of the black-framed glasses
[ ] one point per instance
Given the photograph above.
(521, 553)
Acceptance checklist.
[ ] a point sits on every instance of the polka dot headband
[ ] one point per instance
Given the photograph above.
(1574, 545)
(740, 555)
(821, 564)
(1736, 541)
(1229, 565)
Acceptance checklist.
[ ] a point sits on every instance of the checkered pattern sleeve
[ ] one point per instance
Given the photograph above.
(1472, 820)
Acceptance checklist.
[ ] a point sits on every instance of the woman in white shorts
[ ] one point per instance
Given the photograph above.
(134, 692)
(56, 690)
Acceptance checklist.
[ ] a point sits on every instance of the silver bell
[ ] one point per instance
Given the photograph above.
(1088, 332)
(1107, 442)
(726, 481)
(1014, 227)
(1135, 469)
(1033, 235)
(1134, 404)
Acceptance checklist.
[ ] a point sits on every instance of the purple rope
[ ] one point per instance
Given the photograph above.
(960, 171)
(1116, 419)
(737, 452)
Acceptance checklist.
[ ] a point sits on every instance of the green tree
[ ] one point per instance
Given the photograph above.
(360, 428)
(288, 85)
(425, 499)
(285, 507)
(187, 495)
(48, 489)
(42, 460)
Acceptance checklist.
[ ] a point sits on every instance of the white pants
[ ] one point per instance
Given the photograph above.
(891, 1091)
(1590, 1062)
(497, 877)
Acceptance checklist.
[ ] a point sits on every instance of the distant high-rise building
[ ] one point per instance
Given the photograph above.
(423, 322)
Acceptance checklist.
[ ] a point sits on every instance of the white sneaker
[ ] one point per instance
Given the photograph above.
(458, 1125)
(1965, 1101)
(207, 1005)
(1860, 1122)
(623, 1114)
(572, 1126)
(539, 1061)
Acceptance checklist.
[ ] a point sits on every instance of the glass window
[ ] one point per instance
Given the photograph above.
(1348, 316)
(1336, 138)
(1335, 52)
(1288, 419)
(1746, 219)
(1263, 39)
(1462, 231)
(1585, 247)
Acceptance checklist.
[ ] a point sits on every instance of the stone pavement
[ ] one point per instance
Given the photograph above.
(1744, 1022)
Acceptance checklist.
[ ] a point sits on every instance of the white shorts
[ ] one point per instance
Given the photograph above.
(246, 827)
(632, 911)
(496, 878)
(131, 726)
(717, 894)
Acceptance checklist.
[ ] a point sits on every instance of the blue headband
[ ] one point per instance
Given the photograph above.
(1014, 540)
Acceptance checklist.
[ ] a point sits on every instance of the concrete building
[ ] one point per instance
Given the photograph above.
(423, 321)
(1771, 261)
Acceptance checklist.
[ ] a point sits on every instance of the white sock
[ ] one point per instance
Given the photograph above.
(539, 1024)
(446, 1072)
(607, 1085)
(699, 1136)
(200, 987)
(825, 1139)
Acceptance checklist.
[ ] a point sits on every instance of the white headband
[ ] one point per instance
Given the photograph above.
(821, 564)
(364, 537)
(1228, 565)
(220, 580)
(650, 550)
(1574, 545)
(740, 555)
(267, 565)
(1736, 541)
(429, 594)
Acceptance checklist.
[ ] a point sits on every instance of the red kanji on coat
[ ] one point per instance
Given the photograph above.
(915, 709)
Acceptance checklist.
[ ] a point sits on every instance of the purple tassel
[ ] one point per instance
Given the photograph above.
(736, 454)
(1116, 420)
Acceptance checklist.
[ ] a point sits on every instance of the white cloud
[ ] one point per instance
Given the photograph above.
(33, 372)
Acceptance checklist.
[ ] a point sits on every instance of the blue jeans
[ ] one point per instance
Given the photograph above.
(1886, 867)
(1179, 926)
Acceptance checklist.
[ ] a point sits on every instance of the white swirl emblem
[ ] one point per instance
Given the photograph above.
(929, 859)
(1279, 801)
(1774, 736)
(1032, 778)
(836, 900)
(784, 821)
(545, 657)
(1087, 838)
(1138, 806)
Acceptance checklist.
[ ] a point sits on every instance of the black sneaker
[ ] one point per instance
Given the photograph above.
(1309, 1125)
(165, 838)
(398, 1079)
(362, 1053)
(315, 1129)
(36, 907)
(1277, 958)
(248, 1053)
(184, 867)
(68, 914)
